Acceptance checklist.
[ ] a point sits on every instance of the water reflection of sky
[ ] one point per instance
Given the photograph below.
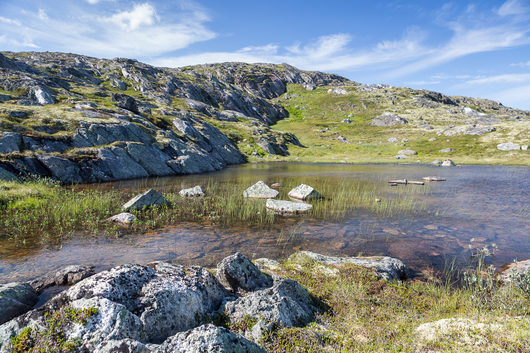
(477, 206)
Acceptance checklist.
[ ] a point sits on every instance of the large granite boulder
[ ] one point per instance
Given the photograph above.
(260, 190)
(15, 300)
(208, 339)
(237, 273)
(149, 198)
(304, 192)
(282, 207)
(385, 267)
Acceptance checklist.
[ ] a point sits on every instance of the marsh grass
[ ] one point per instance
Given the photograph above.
(370, 315)
(47, 212)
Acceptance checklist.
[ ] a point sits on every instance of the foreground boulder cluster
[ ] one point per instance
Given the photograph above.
(161, 307)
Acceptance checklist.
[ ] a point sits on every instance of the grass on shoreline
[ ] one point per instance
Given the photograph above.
(370, 315)
(45, 212)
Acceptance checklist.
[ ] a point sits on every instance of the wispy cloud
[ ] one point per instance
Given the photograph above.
(134, 32)
(506, 78)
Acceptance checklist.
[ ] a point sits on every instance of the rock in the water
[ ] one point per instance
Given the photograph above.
(286, 303)
(123, 218)
(208, 339)
(287, 207)
(448, 163)
(66, 276)
(126, 102)
(388, 119)
(15, 300)
(407, 152)
(508, 146)
(304, 192)
(149, 198)
(515, 270)
(192, 192)
(260, 190)
(437, 162)
(385, 267)
(238, 273)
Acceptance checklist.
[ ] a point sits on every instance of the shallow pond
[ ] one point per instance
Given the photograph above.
(476, 206)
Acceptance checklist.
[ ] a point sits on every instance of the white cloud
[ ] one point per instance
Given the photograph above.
(135, 32)
(10, 21)
(141, 14)
(512, 7)
(506, 78)
(522, 64)
(93, 1)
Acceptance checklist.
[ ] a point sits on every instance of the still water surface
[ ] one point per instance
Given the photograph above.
(477, 206)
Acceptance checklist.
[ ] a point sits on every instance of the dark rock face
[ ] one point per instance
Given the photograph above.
(16, 299)
(66, 276)
(135, 138)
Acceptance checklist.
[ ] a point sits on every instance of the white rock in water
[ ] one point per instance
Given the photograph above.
(194, 191)
(448, 163)
(287, 207)
(304, 192)
(123, 218)
(149, 198)
(260, 190)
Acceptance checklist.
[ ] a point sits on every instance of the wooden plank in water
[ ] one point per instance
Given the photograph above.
(405, 181)
(433, 178)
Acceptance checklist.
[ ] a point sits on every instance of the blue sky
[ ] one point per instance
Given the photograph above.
(473, 48)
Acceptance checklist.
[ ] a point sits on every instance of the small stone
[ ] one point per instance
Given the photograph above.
(447, 150)
(388, 119)
(260, 190)
(192, 192)
(508, 146)
(237, 272)
(448, 163)
(393, 140)
(304, 192)
(377, 200)
(149, 198)
(275, 185)
(123, 218)
(432, 139)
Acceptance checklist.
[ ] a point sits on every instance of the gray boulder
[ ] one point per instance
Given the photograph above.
(385, 267)
(286, 303)
(508, 146)
(6, 175)
(123, 218)
(208, 339)
(260, 190)
(388, 119)
(41, 95)
(126, 102)
(304, 192)
(15, 300)
(407, 152)
(192, 192)
(238, 273)
(69, 275)
(149, 198)
(448, 163)
(283, 207)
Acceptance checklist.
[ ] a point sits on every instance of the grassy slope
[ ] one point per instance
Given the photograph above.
(313, 111)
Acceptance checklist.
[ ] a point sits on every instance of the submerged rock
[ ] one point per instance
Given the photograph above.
(237, 272)
(123, 218)
(208, 339)
(304, 192)
(385, 267)
(15, 300)
(149, 198)
(192, 192)
(260, 190)
(287, 207)
(66, 276)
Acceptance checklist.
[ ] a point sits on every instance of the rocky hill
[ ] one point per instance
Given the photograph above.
(81, 119)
